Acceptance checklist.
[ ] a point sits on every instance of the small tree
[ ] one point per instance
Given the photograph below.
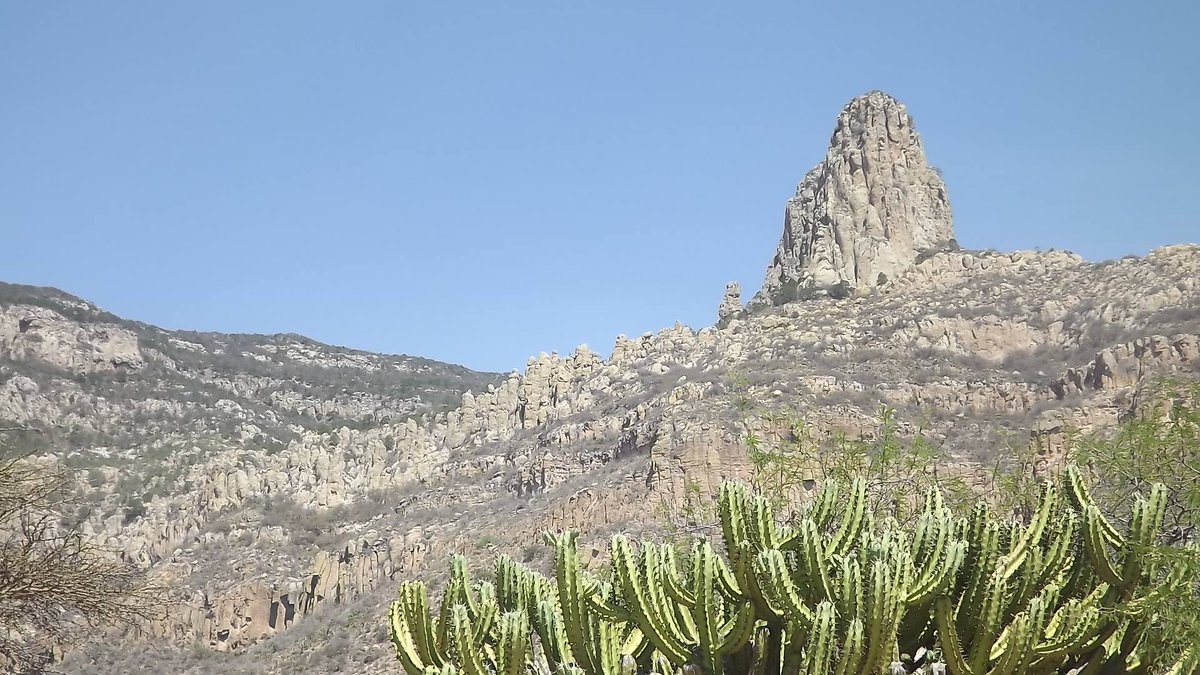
(54, 583)
(1159, 445)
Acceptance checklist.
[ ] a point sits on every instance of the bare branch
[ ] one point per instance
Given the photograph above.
(55, 584)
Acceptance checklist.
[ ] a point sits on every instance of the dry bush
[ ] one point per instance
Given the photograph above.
(56, 586)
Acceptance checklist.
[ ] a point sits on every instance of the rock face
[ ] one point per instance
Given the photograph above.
(42, 335)
(864, 214)
(731, 304)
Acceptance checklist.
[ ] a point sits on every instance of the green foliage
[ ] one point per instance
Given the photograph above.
(738, 383)
(1160, 446)
(838, 590)
(898, 470)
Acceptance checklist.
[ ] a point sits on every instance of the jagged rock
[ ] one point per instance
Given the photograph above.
(1126, 364)
(731, 304)
(43, 335)
(862, 216)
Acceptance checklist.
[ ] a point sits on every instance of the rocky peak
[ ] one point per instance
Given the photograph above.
(866, 212)
(731, 304)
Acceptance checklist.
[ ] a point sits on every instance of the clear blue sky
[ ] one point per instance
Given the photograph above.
(478, 182)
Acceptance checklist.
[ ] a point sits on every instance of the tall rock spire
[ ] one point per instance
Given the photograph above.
(866, 212)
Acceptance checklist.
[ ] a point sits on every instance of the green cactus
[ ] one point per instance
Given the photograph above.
(702, 623)
(832, 593)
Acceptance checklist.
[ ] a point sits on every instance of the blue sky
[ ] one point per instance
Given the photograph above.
(479, 182)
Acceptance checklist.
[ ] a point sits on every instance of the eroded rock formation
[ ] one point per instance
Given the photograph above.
(865, 213)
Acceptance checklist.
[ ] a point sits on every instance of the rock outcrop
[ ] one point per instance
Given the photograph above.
(1126, 364)
(38, 334)
(731, 304)
(864, 214)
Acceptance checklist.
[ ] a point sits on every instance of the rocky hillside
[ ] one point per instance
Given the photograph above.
(136, 406)
(283, 556)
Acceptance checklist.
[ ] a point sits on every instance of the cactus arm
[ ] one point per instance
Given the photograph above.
(852, 649)
(732, 507)
(607, 642)
(1033, 532)
(853, 519)
(818, 650)
(1013, 649)
(882, 616)
(649, 615)
(462, 586)
(938, 575)
(573, 598)
(487, 612)
(663, 558)
(1068, 631)
(457, 592)
(739, 629)
(603, 606)
(742, 554)
(513, 644)
(402, 638)
(850, 587)
(705, 611)
(551, 634)
(635, 643)
(1144, 527)
(1058, 558)
(765, 531)
(1082, 498)
(984, 553)
(467, 651)
(813, 559)
(987, 628)
(825, 504)
(780, 592)
(412, 630)
(1027, 582)
(952, 647)
(1097, 549)
(727, 583)
(746, 572)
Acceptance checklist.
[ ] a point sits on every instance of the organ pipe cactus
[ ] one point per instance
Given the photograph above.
(831, 593)
(705, 622)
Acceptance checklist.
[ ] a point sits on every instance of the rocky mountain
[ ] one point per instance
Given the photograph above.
(137, 406)
(281, 553)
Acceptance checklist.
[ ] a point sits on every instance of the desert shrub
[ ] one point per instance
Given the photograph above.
(841, 290)
(1160, 445)
(898, 468)
(56, 586)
